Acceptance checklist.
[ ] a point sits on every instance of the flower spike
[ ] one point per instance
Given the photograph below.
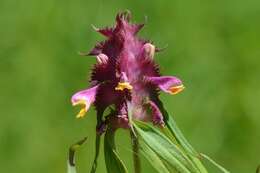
(125, 73)
(124, 90)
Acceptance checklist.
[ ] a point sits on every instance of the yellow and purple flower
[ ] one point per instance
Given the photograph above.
(125, 72)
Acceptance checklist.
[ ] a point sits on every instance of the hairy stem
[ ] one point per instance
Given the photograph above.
(135, 147)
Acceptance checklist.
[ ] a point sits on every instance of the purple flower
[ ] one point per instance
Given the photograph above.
(84, 98)
(125, 72)
(168, 84)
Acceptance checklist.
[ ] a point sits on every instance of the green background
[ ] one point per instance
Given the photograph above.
(213, 46)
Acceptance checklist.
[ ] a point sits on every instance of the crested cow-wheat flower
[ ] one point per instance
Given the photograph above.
(126, 81)
(125, 72)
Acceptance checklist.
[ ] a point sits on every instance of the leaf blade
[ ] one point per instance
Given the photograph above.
(214, 163)
(112, 159)
(166, 150)
(97, 148)
(174, 129)
(71, 165)
(153, 158)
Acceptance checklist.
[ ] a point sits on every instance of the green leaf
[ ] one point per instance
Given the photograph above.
(71, 169)
(176, 132)
(71, 161)
(153, 158)
(164, 148)
(214, 163)
(258, 169)
(113, 162)
(179, 137)
(181, 140)
(94, 165)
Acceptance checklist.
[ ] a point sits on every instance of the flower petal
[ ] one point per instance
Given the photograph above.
(169, 84)
(84, 98)
(157, 116)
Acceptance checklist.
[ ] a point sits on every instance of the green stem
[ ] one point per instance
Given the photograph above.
(94, 165)
(135, 147)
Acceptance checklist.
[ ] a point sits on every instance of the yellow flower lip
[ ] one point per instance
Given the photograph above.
(81, 113)
(83, 110)
(123, 85)
(176, 89)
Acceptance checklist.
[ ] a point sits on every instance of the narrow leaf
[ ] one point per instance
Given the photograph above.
(135, 149)
(164, 148)
(153, 158)
(179, 137)
(168, 143)
(113, 162)
(258, 169)
(71, 169)
(172, 126)
(175, 131)
(71, 161)
(97, 147)
(214, 163)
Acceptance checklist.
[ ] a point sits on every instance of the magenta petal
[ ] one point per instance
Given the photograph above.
(168, 84)
(84, 98)
(157, 116)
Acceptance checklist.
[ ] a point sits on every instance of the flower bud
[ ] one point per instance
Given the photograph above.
(149, 50)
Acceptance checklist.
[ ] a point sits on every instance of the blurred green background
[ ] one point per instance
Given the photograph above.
(213, 46)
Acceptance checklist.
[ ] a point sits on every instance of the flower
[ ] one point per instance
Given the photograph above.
(84, 98)
(125, 73)
(168, 84)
